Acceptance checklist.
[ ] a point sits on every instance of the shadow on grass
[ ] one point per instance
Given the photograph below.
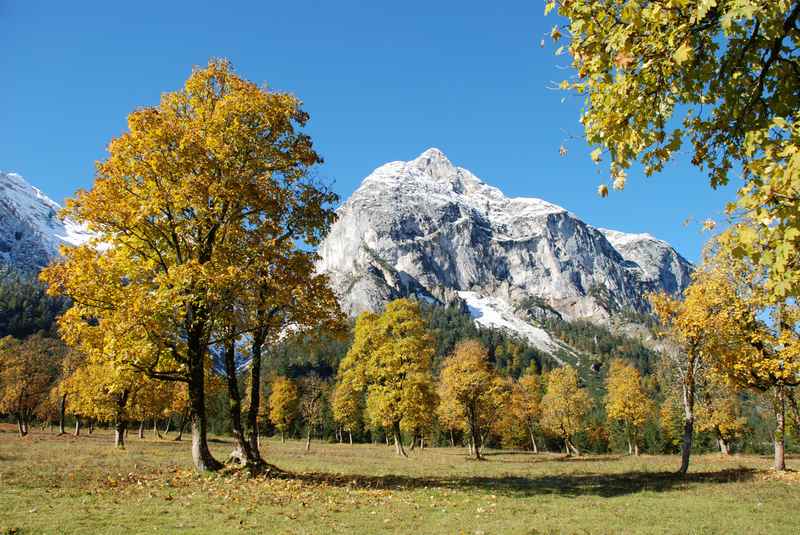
(570, 485)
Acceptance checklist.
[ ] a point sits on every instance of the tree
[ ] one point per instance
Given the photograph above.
(100, 390)
(526, 404)
(721, 75)
(283, 404)
(684, 326)
(751, 340)
(27, 370)
(282, 294)
(473, 389)
(201, 188)
(347, 405)
(626, 401)
(59, 393)
(720, 412)
(519, 423)
(564, 405)
(390, 361)
(313, 398)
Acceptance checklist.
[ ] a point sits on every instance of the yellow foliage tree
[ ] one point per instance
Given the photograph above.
(564, 405)
(684, 326)
(518, 425)
(471, 392)
(28, 369)
(283, 404)
(347, 405)
(201, 189)
(390, 360)
(720, 412)
(741, 346)
(626, 401)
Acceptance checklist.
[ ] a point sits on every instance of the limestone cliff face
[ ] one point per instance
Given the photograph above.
(428, 228)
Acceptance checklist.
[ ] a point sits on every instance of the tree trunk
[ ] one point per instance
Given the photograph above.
(182, 426)
(476, 441)
(688, 423)
(413, 442)
(156, 430)
(141, 429)
(308, 439)
(630, 447)
(780, 428)
(119, 433)
(571, 447)
(452, 440)
(242, 451)
(91, 425)
(533, 443)
(636, 449)
(168, 425)
(398, 441)
(723, 446)
(196, 323)
(201, 455)
(255, 386)
(350, 434)
(120, 425)
(62, 408)
(21, 426)
(77, 426)
(283, 437)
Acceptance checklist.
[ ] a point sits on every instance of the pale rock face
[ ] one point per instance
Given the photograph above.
(428, 228)
(30, 229)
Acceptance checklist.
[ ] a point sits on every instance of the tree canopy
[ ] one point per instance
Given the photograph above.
(204, 193)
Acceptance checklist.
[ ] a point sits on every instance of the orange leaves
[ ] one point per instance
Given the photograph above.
(471, 391)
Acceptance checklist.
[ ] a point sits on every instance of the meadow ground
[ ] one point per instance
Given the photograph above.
(51, 484)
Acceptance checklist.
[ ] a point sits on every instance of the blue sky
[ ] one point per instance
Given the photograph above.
(382, 81)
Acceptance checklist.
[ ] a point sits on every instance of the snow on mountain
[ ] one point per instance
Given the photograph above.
(30, 230)
(428, 228)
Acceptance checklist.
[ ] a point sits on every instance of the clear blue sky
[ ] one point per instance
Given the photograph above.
(382, 81)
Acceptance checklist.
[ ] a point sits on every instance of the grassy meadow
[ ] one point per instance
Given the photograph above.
(51, 484)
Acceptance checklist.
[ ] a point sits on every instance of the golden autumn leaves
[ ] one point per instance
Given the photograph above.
(712, 77)
(198, 212)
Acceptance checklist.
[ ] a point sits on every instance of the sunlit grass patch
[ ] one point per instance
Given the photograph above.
(51, 484)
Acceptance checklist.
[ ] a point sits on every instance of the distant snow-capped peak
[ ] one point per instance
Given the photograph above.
(31, 231)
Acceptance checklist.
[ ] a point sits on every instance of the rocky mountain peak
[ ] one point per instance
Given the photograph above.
(429, 228)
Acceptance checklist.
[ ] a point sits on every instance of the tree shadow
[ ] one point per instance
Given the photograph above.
(531, 458)
(570, 485)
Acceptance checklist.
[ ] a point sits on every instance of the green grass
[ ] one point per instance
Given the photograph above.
(51, 484)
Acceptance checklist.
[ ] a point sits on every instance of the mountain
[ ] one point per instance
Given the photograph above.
(428, 228)
(30, 230)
